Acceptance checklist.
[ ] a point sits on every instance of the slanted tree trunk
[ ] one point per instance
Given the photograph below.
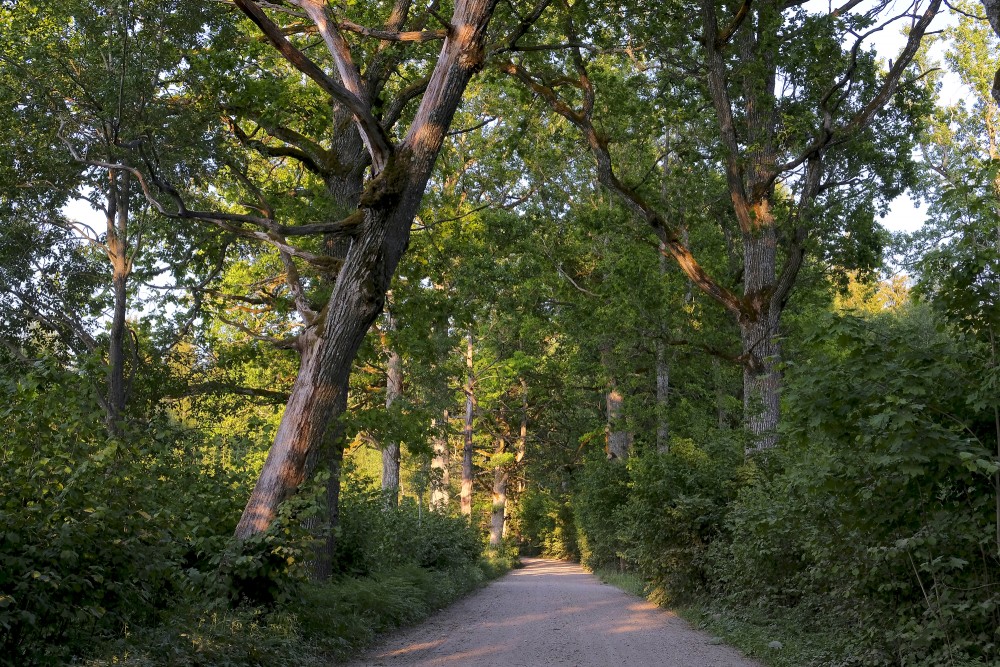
(389, 202)
(470, 409)
(390, 450)
(439, 465)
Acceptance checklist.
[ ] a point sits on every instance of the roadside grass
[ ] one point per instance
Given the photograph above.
(331, 622)
(775, 637)
(752, 631)
(626, 581)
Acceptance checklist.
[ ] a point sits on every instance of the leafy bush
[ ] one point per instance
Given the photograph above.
(98, 533)
(676, 506)
(373, 536)
(545, 526)
(880, 519)
(601, 493)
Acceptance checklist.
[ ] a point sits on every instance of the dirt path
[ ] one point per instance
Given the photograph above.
(553, 613)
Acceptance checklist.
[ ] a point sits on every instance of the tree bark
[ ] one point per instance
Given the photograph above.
(470, 409)
(498, 515)
(759, 332)
(117, 214)
(331, 456)
(662, 385)
(389, 203)
(439, 466)
(619, 442)
(992, 9)
(390, 450)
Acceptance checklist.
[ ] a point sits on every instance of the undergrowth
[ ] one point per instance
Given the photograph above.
(328, 622)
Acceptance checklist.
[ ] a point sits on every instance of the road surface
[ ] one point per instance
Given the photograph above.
(552, 613)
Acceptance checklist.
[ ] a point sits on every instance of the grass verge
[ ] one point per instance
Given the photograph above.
(753, 632)
(330, 622)
(775, 637)
(627, 581)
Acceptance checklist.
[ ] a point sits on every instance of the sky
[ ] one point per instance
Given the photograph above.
(904, 214)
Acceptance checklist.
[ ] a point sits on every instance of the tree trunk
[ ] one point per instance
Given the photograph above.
(390, 450)
(501, 474)
(332, 457)
(470, 409)
(663, 362)
(759, 334)
(662, 398)
(619, 441)
(522, 438)
(722, 417)
(992, 9)
(439, 466)
(389, 203)
(121, 268)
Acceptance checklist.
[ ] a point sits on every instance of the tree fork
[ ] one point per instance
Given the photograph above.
(390, 203)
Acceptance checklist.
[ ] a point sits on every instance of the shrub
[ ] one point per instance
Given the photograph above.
(98, 533)
(676, 506)
(879, 519)
(373, 536)
(599, 500)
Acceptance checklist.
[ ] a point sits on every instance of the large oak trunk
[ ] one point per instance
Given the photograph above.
(389, 203)
(759, 334)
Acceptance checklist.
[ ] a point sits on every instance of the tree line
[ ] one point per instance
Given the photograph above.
(600, 280)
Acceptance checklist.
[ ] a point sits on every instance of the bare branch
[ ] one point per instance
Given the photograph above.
(475, 127)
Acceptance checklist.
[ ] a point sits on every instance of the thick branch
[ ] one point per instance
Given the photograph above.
(716, 71)
(375, 138)
(405, 36)
(605, 175)
(741, 15)
(276, 397)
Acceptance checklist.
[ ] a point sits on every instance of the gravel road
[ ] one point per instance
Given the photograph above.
(553, 613)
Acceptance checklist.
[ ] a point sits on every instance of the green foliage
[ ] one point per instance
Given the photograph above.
(98, 533)
(657, 515)
(546, 526)
(325, 623)
(373, 536)
(879, 517)
(601, 495)
(675, 510)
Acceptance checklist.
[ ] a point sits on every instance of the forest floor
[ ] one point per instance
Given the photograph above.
(553, 613)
